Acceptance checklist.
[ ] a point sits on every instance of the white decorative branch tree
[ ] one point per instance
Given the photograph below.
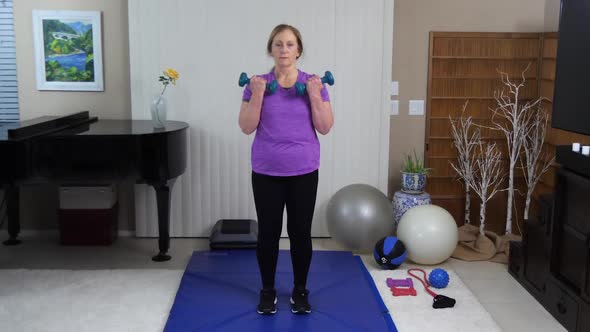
(534, 162)
(465, 139)
(487, 177)
(512, 117)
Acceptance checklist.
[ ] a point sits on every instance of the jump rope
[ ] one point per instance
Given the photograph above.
(440, 301)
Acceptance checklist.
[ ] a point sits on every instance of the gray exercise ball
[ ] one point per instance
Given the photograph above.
(358, 216)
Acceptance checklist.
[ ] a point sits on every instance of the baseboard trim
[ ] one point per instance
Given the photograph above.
(55, 232)
(120, 233)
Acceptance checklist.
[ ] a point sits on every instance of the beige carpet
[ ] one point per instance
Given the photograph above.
(139, 300)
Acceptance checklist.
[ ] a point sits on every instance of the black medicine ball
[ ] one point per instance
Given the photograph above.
(390, 252)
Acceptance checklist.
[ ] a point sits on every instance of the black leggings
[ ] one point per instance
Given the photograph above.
(271, 195)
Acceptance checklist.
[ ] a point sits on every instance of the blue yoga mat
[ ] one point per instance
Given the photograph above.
(219, 291)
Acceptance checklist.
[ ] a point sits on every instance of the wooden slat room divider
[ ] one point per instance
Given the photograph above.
(463, 67)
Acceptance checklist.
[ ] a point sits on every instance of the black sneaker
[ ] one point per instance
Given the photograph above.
(268, 302)
(299, 302)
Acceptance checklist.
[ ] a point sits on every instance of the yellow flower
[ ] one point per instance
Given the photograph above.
(169, 76)
(173, 74)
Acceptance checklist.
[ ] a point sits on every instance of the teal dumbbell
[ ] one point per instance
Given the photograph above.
(327, 79)
(270, 87)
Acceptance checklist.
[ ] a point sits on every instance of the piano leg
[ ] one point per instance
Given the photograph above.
(163, 195)
(12, 212)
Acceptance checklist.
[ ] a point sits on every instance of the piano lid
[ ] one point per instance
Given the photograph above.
(122, 127)
(42, 126)
(82, 124)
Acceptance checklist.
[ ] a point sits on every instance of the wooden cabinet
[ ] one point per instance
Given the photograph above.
(532, 255)
(537, 252)
(553, 260)
(563, 306)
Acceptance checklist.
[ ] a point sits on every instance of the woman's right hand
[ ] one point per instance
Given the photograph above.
(257, 85)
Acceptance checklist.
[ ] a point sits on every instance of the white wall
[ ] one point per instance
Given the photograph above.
(552, 11)
(413, 21)
(211, 46)
(112, 103)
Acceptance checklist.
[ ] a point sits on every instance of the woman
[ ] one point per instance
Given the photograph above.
(285, 162)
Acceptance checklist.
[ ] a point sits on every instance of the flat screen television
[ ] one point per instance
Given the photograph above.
(571, 100)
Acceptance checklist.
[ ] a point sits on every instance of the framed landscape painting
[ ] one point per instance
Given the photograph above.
(68, 50)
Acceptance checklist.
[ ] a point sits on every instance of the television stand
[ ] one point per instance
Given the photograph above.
(553, 260)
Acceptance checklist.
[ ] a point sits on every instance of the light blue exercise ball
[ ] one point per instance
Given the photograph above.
(358, 216)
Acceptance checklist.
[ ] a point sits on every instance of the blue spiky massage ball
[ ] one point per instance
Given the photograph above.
(438, 278)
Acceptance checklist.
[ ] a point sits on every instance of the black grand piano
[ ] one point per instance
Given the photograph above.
(80, 148)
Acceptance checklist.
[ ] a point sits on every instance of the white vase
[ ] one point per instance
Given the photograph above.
(158, 111)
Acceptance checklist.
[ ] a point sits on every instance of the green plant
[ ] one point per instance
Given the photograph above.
(413, 164)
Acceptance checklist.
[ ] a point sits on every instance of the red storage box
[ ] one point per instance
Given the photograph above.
(88, 215)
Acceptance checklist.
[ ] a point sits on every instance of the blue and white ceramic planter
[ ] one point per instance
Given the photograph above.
(413, 183)
(402, 202)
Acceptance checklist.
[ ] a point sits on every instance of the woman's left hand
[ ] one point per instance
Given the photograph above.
(313, 86)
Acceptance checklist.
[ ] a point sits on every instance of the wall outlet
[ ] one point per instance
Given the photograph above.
(394, 107)
(416, 107)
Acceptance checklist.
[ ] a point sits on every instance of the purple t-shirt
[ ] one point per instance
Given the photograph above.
(286, 143)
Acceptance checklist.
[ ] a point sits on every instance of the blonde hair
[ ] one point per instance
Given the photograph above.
(280, 28)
